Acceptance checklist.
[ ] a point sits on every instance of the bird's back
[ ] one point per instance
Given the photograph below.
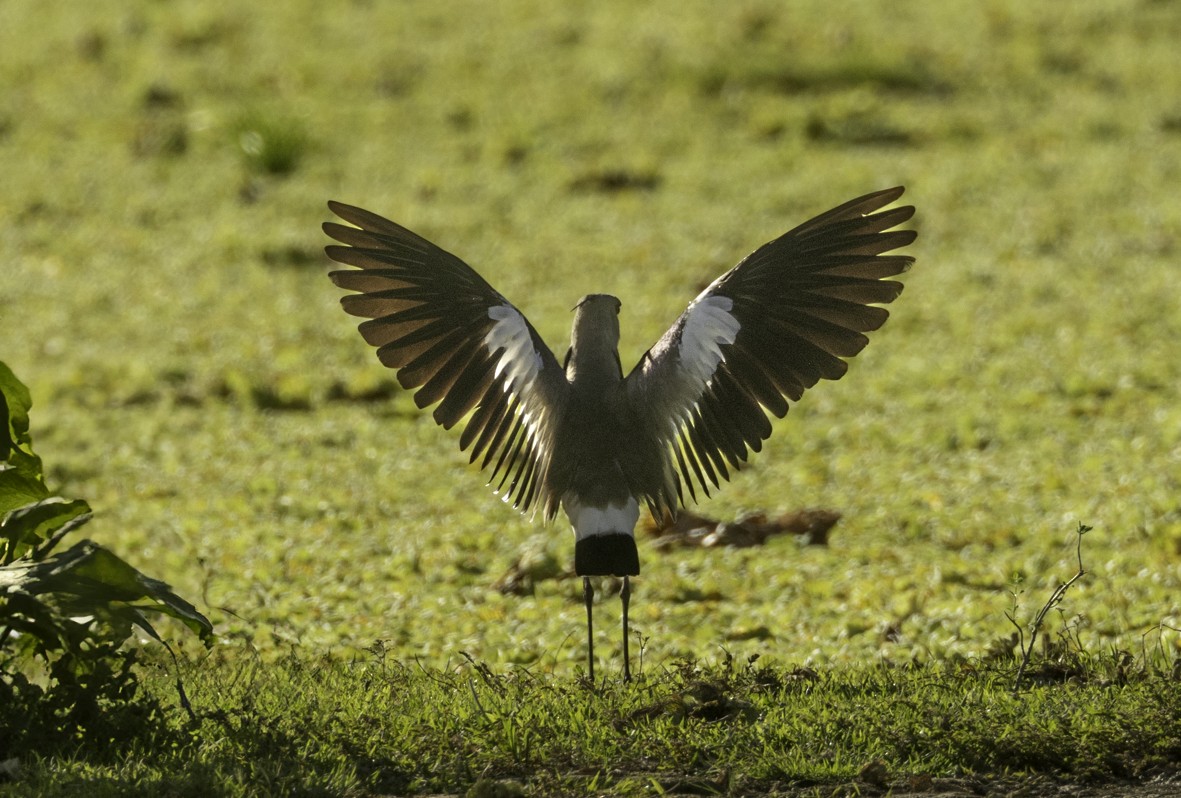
(589, 441)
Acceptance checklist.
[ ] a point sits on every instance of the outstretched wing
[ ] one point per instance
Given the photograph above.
(452, 337)
(760, 335)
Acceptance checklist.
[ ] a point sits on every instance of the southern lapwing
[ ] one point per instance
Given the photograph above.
(580, 435)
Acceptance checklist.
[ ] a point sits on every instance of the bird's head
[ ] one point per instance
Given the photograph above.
(595, 336)
(596, 320)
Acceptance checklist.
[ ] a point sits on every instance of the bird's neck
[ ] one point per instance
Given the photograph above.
(593, 369)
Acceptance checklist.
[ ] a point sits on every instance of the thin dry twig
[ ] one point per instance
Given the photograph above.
(1054, 600)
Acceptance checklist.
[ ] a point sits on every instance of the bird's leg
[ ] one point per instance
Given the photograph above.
(588, 593)
(625, 596)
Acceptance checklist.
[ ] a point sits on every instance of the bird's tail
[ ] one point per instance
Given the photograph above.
(607, 554)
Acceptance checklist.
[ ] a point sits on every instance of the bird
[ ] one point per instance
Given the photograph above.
(577, 435)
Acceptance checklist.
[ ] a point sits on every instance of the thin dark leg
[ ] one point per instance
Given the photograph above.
(588, 593)
(625, 596)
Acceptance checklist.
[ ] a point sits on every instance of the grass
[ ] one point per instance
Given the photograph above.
(385, 727)
(164, 298)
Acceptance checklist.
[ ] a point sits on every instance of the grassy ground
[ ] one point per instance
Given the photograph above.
(387, 728)
(165, 167)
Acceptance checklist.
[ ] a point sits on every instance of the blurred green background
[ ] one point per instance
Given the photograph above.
(165, 165)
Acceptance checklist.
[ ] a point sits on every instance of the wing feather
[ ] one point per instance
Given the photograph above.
(461, 345)
(759, 336)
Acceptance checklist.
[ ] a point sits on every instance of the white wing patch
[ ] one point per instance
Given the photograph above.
(614, 519)
(709, 326)
(519, 363)
(519, 359)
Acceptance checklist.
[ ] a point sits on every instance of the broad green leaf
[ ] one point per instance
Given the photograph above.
(16, 445)
(18, 489)
(28, 526)
(87, 579)
(17, 402)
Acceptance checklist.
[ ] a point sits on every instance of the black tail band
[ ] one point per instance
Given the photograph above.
(607, 555)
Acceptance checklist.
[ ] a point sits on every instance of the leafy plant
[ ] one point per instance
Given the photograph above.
(71, 609)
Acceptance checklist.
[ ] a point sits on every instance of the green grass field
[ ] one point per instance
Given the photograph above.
(165, 168)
